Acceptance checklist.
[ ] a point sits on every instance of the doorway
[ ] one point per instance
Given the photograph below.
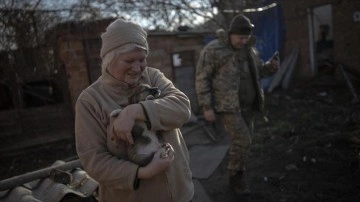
(184, 75)
(321, 36)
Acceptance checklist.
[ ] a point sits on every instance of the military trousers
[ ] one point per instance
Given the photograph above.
(238, 127)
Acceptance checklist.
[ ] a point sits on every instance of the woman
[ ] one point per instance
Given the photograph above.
(167, 177)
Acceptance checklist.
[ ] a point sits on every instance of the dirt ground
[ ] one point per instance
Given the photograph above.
(308, 151)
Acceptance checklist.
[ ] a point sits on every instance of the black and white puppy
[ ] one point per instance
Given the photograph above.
(146, 142)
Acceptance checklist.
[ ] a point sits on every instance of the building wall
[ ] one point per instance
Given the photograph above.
(163, 46)
(72, 53)
(75, 56)
(346, 32)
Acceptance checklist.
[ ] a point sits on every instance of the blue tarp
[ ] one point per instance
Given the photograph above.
(269, 31)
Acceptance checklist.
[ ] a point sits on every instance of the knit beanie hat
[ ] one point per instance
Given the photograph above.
(121, 32)
(241, 25)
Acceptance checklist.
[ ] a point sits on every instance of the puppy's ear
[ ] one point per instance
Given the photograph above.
(137, 131)
(154, 91)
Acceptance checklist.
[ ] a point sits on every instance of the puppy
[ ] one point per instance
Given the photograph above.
(146, 142)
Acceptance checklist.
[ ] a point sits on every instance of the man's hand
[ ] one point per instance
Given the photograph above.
(210, 115)
(275, 62)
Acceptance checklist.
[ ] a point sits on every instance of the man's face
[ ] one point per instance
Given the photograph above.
(239, 41)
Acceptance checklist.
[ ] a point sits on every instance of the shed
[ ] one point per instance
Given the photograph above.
(174, 53)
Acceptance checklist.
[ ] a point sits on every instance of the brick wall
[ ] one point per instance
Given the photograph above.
(162, 46)
(71, 53)
(347, 33)
(75, 57)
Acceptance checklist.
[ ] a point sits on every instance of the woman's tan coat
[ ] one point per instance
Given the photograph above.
(106, 164)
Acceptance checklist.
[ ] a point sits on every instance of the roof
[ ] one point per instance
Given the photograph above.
(64, 181)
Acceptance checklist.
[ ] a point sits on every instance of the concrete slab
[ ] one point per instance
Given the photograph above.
(204, 159)
(200, 193)
(195, 135)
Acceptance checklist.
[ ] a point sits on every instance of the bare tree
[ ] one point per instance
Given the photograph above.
(27, 48)
(153, 14)
(27, 19)
(26, 51)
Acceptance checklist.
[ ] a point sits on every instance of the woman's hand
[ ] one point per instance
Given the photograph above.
(160, 163)
(125, 121)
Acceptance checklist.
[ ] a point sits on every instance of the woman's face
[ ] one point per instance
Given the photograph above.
(127, 67)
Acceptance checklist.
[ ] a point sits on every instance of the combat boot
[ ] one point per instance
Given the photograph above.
(239, 184)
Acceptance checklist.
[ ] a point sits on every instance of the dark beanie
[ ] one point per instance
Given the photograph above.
(241, 25)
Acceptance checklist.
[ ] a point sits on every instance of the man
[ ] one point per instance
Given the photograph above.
(228, 86)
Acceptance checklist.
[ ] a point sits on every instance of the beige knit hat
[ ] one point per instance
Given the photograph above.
(122, 32)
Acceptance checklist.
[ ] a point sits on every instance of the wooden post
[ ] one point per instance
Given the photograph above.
(349, 84)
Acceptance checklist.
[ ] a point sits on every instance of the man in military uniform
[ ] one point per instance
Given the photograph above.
(228, 86)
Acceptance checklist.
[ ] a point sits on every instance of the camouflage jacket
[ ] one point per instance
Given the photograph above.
(218, 79)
